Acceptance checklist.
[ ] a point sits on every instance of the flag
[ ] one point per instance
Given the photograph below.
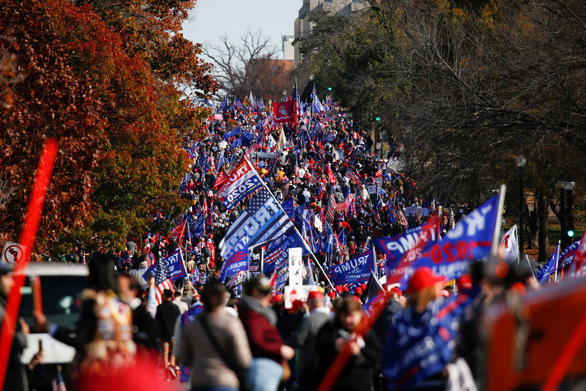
(352, 273)
(316, 104)
(225, 105)
(162, 281)
(549, 268)
(242, 181)
(567, 255)
(470, 239)
(331, 176)
(281, 254)
(289, 207)
(330, 241)
(57, 382)
(285, 112)
(237, 262)
(237, 103)
(510, 244)
(262, 221)
(221, 179)
(579, 257)
(352, 177)
(150, 259)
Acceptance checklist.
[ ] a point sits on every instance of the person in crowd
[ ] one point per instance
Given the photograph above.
(178, 301)
(144, 328)
(167, 314)
(304, 337)
(266, 344)
(334, 335)
(214, 345)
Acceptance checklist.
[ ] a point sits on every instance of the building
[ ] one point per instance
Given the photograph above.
(287, 47)
(303, 26)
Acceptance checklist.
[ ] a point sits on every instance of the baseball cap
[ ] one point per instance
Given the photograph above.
(423, 278)
(315, 295)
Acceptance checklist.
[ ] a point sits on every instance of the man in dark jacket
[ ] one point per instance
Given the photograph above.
(167, 314)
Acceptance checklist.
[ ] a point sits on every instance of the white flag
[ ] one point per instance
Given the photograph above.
(510, 244)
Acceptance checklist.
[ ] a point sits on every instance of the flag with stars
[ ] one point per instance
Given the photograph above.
(162, 281)
(262, 221)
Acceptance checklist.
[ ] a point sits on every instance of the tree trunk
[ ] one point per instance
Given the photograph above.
(542, 218)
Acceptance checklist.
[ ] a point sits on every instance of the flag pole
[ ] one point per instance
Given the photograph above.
(294, 227)
(497, 227)
(557, 258)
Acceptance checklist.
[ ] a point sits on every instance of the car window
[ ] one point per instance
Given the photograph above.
(61, 299)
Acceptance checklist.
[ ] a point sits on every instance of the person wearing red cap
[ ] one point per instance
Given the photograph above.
(410, 324)
(332, 337)
(304, 337)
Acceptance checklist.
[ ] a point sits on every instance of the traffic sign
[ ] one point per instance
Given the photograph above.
(12, 253)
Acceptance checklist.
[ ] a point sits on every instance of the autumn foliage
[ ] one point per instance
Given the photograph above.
(104, 81)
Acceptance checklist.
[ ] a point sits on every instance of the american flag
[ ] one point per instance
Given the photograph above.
(352, 177)
(274, 255)
(330, 211)
(57, 382)
(162, 281)
(401, 218)
(150, 259)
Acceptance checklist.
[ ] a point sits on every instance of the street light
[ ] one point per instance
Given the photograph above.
(567, 218)
(521, 163)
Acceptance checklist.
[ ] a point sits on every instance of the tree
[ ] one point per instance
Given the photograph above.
(251, 67)
(115, 115)
(466, 87)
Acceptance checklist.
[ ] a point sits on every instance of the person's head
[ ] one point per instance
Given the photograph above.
(168, 294)
(6, 280)
(177, 294)
(101, 273)
(213, 296)
(423, 287)
(260, 288)
(315, 299)
(128, 286)
(349, 313)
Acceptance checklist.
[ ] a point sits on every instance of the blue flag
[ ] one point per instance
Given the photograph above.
(567, 255)
(352, 273)
(289, 207)
(237, 262)
(281, 253)
(329, 242)
(172, 267)
(548, 269)
(396, 246)
(469, 240)
(342, 237)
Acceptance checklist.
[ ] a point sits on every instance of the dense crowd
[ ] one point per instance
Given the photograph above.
(208, 334)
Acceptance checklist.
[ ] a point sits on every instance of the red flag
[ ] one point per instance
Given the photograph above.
(285, 112)
(222, 177)
(331, 175)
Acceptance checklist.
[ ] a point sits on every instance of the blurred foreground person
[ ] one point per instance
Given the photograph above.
(15, 374)
(214, 345)
(331, 338)
(266, 344)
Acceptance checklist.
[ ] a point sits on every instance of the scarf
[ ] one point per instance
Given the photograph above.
(254, 304)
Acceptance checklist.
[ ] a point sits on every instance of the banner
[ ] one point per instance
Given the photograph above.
(173, 263)
(242, 181)
(354, 272)
(279, 254)
(237, 262)
(396, 246)
(262, 221)
(285, 112)
(470, 239)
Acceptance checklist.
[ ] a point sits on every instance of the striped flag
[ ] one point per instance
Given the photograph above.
(57, 382)
(150, 259)
(162, 281)
(330, 211)
(401, 218)
(352, 177)
(263, 220)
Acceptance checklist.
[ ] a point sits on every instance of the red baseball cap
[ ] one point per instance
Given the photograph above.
(315, 295)
(464, 282)
(423, 278)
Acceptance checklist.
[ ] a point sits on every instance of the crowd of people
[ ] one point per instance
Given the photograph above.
(208, 336)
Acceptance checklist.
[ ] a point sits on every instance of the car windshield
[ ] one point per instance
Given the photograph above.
(61, 299)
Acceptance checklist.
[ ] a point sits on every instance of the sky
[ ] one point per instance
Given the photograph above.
(212, 18)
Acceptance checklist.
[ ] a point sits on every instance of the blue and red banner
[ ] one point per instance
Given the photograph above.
(242, 181)
(237, 262)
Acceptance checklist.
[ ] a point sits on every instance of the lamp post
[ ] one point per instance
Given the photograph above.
(521, 163)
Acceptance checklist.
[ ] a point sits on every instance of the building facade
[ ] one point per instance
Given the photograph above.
(303, 25)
